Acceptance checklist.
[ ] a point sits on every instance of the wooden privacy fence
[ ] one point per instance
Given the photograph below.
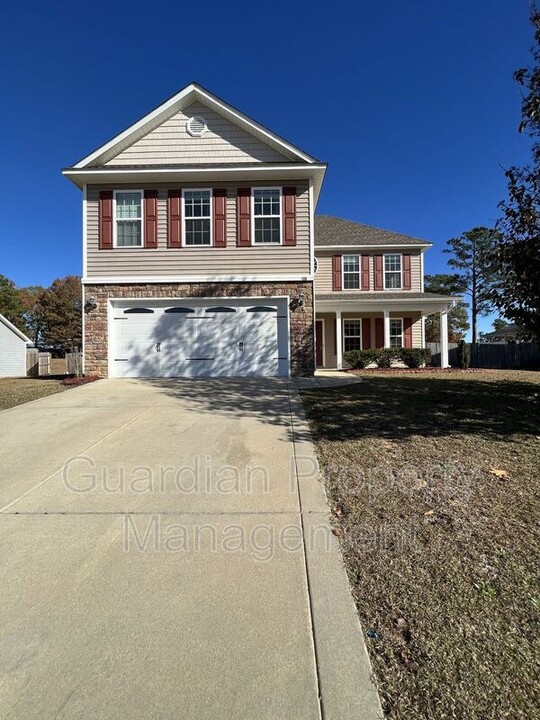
(74, 363)
(37, 363)
(502, 356)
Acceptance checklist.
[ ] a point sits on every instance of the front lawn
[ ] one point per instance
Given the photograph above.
(434, 481)
(15, 391)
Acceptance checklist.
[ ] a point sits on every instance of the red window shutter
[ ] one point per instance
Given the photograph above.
(150, 219)
(336, 273)
(366, 333)
(406, 260)
(407, 332)
(364, 280)
(243, 209)
(379, 332)
(379, 283)
(174, 219)
(220, 217)
(289, 216)
(105, 220)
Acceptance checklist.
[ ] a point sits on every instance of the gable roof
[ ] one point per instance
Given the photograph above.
(335, 232)
(182, 99)
(14, 329)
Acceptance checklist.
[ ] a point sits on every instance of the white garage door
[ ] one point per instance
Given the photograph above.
(209, 338)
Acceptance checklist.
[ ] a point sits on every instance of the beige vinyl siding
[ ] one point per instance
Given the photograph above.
(204, 261)
(171, 144)
(323, 278)
(330, 330)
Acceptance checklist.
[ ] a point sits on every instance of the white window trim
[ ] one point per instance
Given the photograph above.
(115, 225)
(353, 319)
(359, 272)
(393, 271)
(184, 218)
(390, 336)
(266, 244)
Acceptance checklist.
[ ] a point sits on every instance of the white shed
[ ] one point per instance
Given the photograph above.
(12, 350)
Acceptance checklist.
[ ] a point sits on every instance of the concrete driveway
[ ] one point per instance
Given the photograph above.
(166, 554)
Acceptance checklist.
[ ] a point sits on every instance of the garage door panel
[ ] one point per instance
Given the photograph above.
(220, 340)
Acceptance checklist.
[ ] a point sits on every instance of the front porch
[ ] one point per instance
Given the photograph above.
(343, 325)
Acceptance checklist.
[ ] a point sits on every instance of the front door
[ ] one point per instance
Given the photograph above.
(319, 348)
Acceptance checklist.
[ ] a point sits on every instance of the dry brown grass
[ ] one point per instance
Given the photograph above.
(434, 479)
(16, 391)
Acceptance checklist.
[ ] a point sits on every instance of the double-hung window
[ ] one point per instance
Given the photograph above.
(352, 335)
(197, 217)
(128, 218)
(392, 272)
(351, 272)
(267, 216)
(396, 332)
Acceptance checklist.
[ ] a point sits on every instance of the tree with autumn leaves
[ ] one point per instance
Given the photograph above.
(51, 317)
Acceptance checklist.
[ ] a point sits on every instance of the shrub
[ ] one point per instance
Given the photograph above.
(358, 359)
(464, 355)
(386, 357)
(414, 357)
(353, 358)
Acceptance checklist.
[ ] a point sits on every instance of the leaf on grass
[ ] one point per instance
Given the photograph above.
(498, 472)
(338, 532)
(429, 512)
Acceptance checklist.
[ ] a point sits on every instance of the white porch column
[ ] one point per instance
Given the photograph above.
(386, 323)
(423, 328)
(339, 337)
(444, 338)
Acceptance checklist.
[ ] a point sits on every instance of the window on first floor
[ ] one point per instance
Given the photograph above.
(128, 218)
(267, 216)
(392, 272)
(197, 217)
(351, 272)
(396, 332)
(352, 335)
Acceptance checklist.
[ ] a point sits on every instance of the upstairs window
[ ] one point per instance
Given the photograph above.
(128, 218)
(396, 332)
(267, 216)
(392, 272)
(351, 272)
(197, 217)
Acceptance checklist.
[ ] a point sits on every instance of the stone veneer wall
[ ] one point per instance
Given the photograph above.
(300, 319)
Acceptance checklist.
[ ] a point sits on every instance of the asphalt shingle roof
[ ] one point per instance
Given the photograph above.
(331, 230)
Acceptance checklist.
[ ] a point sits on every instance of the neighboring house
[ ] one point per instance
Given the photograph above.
(13, 344)
(508, 333)
(199, 243)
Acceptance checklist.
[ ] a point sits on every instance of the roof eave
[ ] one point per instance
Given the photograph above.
(15, 329)
(413, 244)
(277, 172)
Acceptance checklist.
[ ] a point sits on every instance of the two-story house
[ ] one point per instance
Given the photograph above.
(202, 255)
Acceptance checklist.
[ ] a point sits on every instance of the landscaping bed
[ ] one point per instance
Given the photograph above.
(433, 478)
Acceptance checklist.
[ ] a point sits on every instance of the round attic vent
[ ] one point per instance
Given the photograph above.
(196, 126)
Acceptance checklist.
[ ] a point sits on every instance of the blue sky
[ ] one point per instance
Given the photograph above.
(412, 104)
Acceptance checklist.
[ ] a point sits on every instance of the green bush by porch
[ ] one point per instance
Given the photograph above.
(385, 357)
